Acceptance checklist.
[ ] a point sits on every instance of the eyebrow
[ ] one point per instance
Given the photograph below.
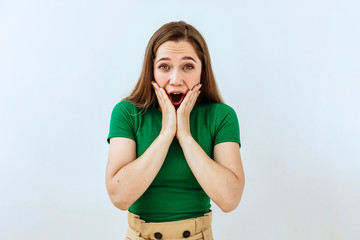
(168, 59)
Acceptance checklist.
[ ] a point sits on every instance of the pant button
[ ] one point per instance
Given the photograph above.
(186, 234)
(158, 235)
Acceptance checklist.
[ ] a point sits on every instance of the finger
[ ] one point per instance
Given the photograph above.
(195, 92)
(155, 84)
(157, 88)
(187, 97)
(186, 105)
(194, 97)
(165, 97)
(158, 95)
(161, 91)
(192, 100)
(197, 87)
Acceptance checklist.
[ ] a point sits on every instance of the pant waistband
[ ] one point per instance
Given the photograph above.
(171, 230)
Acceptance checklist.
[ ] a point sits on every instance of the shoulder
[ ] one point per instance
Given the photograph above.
(125, 104)
(125, 111)
(215, 114)
(222, 107)
(226, 123)
(215, 108)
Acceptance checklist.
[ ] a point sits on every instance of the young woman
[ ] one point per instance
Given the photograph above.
(174, 144)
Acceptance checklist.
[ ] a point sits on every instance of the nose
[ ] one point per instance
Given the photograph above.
(176, 78)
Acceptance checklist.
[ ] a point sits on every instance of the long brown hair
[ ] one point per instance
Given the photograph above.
(143, 95)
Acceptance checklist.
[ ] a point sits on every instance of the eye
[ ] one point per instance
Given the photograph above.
(188, 67)
(163, 66)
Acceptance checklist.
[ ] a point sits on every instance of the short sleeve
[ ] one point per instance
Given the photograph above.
(227, 125)
(122, 121)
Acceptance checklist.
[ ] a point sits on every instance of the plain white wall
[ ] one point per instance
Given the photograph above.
(290, 69)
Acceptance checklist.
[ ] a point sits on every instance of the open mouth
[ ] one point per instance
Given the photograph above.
(176, 98)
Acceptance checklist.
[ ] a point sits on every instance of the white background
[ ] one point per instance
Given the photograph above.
(290, 69)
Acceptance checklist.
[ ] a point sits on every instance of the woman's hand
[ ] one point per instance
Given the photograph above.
(183, 112)
(168, 112)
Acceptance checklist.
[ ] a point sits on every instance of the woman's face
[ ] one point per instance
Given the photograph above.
(177, 69)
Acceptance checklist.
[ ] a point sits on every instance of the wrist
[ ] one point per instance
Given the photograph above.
(167, 135)
(184, 138)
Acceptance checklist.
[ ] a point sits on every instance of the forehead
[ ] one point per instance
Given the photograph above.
(171, 48)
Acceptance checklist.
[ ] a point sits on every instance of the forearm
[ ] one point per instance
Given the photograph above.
(132, 180)
(219, 182)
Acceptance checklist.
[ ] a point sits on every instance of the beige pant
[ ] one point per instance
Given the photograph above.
(190, 229)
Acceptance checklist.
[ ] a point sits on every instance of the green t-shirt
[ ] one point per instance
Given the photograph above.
(175, 194)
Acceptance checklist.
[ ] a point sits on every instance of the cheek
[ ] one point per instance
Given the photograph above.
(193, 79)
(160, 78)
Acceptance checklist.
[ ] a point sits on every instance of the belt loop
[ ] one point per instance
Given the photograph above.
(135, 221)
(203, 222)
(207, 234)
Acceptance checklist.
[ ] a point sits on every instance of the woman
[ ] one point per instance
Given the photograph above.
(174, 144)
